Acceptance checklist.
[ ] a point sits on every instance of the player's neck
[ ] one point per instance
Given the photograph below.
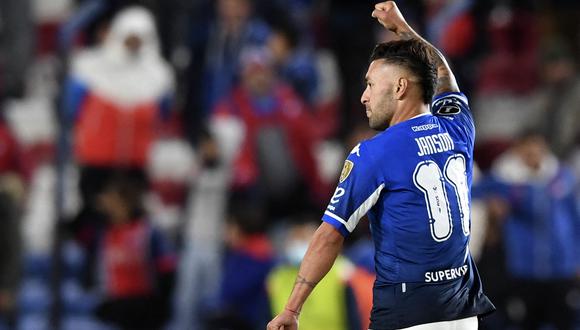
(408, 111)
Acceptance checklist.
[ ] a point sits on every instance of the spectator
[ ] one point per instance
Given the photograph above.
(116, 96)
(276, 158)
(136, 262)
(200, 263)
(312, 73)
(122, 88)
(216, 45)
(541, 233)
(294, 62)
(242, 300)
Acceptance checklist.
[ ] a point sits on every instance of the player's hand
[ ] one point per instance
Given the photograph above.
(284, 321)
(389, 15)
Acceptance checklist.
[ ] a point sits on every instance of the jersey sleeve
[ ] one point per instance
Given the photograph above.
(358, 190)
(455, 106)
(450, 104)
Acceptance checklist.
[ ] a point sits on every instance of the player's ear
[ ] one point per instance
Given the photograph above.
(401, 87)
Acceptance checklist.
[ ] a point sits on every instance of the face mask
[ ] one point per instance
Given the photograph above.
(295, 252)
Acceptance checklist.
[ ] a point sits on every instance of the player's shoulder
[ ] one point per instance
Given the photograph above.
(380, 145)
(362, 150)
(371, 147)
(367, 153)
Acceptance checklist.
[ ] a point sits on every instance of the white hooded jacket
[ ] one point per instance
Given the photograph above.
(111, 72)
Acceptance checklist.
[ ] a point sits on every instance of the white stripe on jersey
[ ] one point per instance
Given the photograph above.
(364, 208)
(337, 218)
(351, 223)
(457, 95)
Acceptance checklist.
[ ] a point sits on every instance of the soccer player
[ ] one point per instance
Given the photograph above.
(413, 180)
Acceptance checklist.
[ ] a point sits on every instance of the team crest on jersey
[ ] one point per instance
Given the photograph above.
(346, 169)
(447, 107)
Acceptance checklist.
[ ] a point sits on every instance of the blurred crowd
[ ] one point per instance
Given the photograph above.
(163, 164)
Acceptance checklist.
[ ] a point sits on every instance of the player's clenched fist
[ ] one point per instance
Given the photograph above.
(284, 321)
(389, 15)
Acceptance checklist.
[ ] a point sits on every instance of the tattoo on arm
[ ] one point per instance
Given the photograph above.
(445, 79)
(302, 280)
(444, 84)
(437, 57)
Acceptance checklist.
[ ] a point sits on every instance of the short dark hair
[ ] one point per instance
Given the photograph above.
(414, 56)
(247, 213)
(131, 186)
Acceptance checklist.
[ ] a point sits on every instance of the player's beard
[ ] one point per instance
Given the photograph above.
(382, 113)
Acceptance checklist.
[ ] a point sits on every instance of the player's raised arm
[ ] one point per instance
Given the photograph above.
(391, 18)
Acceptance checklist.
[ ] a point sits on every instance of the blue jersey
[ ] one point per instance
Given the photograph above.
(413, 182)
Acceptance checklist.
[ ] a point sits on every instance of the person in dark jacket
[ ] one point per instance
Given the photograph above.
(541, 232)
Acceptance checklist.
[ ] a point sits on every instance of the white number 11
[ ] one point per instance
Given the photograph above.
(429, 179)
